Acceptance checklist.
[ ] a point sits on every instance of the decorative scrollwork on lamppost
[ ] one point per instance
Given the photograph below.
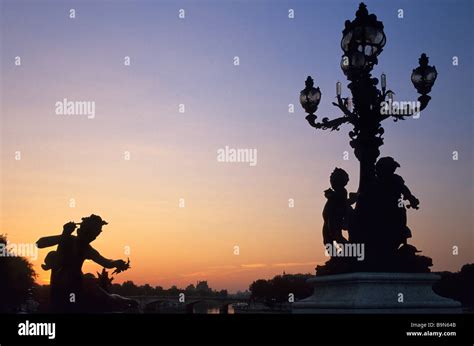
(362, 42)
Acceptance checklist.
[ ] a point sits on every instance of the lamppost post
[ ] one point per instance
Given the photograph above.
(363, 40)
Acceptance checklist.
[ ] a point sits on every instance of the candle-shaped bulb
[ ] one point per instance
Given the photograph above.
(338, 88)
(349, 104)
(383, 80)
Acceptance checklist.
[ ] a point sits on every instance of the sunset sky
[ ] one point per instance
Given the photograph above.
(173, 155)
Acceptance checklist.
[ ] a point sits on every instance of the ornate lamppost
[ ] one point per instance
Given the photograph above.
(362, 42)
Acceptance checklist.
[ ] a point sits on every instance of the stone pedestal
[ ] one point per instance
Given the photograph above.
(368, 292)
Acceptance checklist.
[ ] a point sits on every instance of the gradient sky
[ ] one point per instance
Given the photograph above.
(173, 155)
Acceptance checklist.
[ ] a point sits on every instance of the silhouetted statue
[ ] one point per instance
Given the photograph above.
(337, 215)
(381, 226)
(392, 192)
(337, 210)
(391, 214)
(67, 281)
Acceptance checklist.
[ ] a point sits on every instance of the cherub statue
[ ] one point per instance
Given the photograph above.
(393, 192)
(337, 210)
(66, 262)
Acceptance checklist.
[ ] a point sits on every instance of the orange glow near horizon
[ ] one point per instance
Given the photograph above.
(226, 205)
(169, 245)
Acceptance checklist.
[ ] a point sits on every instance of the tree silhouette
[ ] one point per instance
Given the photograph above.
(278, 289)
(17, 276)
(202, 288)
(190, 289)
(129, 288)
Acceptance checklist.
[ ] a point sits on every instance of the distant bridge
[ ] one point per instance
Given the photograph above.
(150, 303)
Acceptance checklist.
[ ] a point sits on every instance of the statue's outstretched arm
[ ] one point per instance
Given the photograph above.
(48, 241)
(410, 197)
(99, 259)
